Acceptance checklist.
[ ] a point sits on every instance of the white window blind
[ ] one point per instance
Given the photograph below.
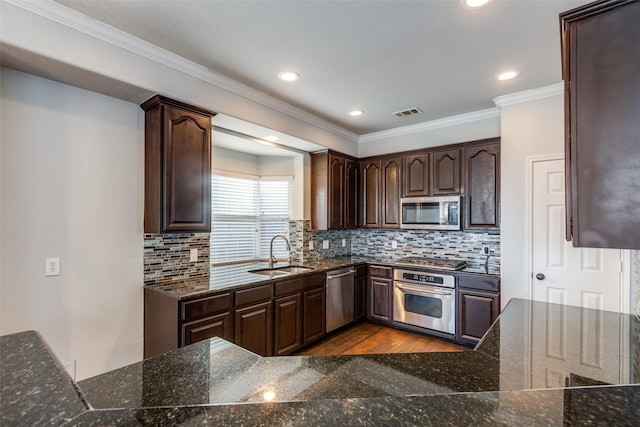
(274, 217)
(246, 214)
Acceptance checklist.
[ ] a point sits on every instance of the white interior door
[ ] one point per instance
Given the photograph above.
(585, 277)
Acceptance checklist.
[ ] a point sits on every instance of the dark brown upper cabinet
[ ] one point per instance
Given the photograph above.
(431, 173)
(177, 167)
(370, 193)
(334, 185)
(601, 72)
(352, 179)
(391, 173)
(482, 185)
(445, 172)
(416, 175)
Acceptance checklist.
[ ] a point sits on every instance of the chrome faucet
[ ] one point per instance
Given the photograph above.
(271, 257)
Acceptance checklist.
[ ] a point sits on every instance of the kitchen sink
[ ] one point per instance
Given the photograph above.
(294, 269)
(281, 271)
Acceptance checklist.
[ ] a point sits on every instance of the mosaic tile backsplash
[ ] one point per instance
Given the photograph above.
(379, 244)
(166, 256)
(635, 260)
(428, 243)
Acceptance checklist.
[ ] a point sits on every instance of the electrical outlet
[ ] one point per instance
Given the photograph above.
(344, 242)
(193, 255)
(486, 250)
(325, 244)
(52, 266)
(310, 245)
(394, 244)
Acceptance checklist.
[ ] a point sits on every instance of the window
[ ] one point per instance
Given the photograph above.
(246, 212)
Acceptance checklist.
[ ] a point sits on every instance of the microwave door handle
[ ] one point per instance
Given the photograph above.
(446, 213)
(405, 289)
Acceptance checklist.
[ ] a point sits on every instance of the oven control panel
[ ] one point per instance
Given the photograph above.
(422, 277)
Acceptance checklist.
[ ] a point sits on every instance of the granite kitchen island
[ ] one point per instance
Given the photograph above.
(539, 364)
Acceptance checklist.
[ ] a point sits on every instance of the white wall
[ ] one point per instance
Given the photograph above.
(297, 166)
(227, 160)
(533, 128)
(66, 46)
(72, 186)
(452, 134)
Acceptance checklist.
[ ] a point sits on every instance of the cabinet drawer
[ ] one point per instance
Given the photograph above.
(379, 271)
(298, 285)
(205, 306)
(483, 283)
(253, 295)
(215, 326)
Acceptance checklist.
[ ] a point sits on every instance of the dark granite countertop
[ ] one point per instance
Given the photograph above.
(35, 389)
(230, 277)
(540, 364)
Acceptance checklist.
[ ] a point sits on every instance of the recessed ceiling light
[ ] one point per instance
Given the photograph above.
(271, 138)
(475, 4)
(288, 76)
(508, 75)
(356, 113)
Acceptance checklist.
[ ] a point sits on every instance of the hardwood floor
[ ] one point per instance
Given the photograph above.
(369, 338)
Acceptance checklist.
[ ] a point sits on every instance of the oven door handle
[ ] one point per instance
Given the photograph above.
(405, 288)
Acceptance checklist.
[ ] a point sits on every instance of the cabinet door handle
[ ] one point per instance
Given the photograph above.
(340, 275)
(540, 276)
(407, 289)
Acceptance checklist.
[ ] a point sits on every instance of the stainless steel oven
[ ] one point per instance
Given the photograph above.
(425, 299)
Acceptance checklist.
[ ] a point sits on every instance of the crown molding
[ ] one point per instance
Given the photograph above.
(529, 95)
(489, 113)
(70, 18)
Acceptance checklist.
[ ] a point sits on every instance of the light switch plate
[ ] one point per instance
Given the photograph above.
(193, 255)
(344, 242)
(325, 244)
(310, 245)
(394, 244)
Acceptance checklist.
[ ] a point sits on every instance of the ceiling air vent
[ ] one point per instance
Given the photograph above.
(408, 112)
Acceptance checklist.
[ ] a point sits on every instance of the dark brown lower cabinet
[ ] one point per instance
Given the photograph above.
(379, 299)
(477, 310)
(220, 325)
(287, 318)
(360, 297)
(314, 315)
(254, 328)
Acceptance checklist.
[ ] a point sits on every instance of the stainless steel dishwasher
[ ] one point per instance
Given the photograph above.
(340, 298)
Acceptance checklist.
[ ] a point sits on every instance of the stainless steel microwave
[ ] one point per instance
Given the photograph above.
(431, 213)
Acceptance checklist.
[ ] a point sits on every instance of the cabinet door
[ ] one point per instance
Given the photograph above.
(314, 315)
(187, 176)
(254, 328)
(416, 175)
(287, 335)
(351, 174)
(445, 172)
(391, 189)
(370, 194)
(601, 69)
(482, 186)
(220, 325)
(379, 299)
(336, 192)
(177, 167)
(360, 297)
(476, 313)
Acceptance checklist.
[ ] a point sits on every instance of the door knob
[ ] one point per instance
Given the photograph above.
(540, 276)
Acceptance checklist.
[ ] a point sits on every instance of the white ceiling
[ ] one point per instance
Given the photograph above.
(381, 56)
